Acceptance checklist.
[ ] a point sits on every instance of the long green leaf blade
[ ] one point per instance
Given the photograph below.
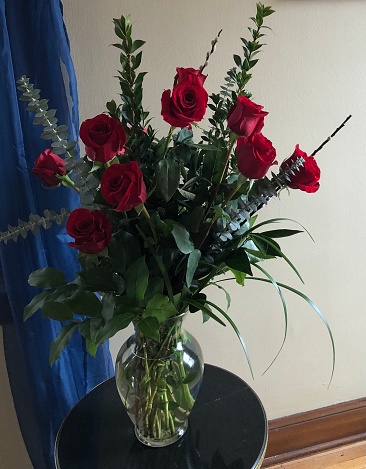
(202, 307)
(61, 341)
(280, 253)
(233, 325)
(315, 308)
(274, 283)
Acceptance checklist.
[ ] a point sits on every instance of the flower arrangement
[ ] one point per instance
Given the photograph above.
(162, 218)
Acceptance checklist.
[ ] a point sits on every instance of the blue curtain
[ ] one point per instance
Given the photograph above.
(33, 42)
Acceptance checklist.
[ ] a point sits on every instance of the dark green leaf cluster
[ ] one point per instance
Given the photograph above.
(237, 77)
(130, 111)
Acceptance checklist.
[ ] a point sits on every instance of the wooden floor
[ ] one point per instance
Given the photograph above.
(346, 457)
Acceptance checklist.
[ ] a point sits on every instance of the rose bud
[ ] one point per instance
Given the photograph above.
(246, 118)
(255, 155)
(91, 230)
(188, 100)
(306, 178)
(103, 137)
(123, 185)
(47, 166)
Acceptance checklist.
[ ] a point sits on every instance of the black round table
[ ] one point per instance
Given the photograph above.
(227, 430)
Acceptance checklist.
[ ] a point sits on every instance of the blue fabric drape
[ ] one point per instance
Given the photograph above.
(33, 42)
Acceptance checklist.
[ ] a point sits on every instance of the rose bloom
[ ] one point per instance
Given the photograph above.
(123, 185)
(103, 137)
(246, 118)
(307, 177)
(255, 155)
(188, 100)
(91, 230)
(47, 166)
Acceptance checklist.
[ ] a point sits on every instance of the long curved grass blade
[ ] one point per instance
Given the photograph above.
(275, 220)
(203, 308)
(275, 284)
(315, 308)
(227, 294)
(281, 254)
(232, 324)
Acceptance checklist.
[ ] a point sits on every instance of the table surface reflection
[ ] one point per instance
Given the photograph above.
(227, 430)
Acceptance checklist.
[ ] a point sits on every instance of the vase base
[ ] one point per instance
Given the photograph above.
(159, 443)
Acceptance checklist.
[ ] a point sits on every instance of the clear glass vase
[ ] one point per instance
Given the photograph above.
(158, 382)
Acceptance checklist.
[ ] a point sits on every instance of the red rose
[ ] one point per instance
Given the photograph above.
(103, 137)
(188, 100)
(123, 185)
(246, 118)
(91, 230)
(47, 166)
(255, 155)
(306, 178)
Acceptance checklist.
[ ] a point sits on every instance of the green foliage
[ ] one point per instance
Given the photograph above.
(198, 221)
(237, 77)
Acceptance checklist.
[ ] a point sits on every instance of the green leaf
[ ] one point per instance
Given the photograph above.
(137, 280)
(57, 311)
(205, 309)
(159, 307)
(280, 233)
(167, 173)
(47, 278)
(238, 260)
(84, 303)
(155, 286)
(237, 60)
(99, 278)
(231, 322)
(90, 327)
(123, 251)
(275, 220)
(181, 236)
(277, 249)
(315, 308)
(114, 325)
(274, 283)
(149, 327)
(228, 297)
(61, 341)
(62, 294)
(136, 45)
(108, 304)
(91, 347)
(192, 264)
(214, 162)
(239, 276)
(35, 304)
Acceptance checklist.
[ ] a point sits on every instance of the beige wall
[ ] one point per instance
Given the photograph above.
(310, 77)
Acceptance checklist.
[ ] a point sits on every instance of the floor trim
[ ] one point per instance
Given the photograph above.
(307, 433)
